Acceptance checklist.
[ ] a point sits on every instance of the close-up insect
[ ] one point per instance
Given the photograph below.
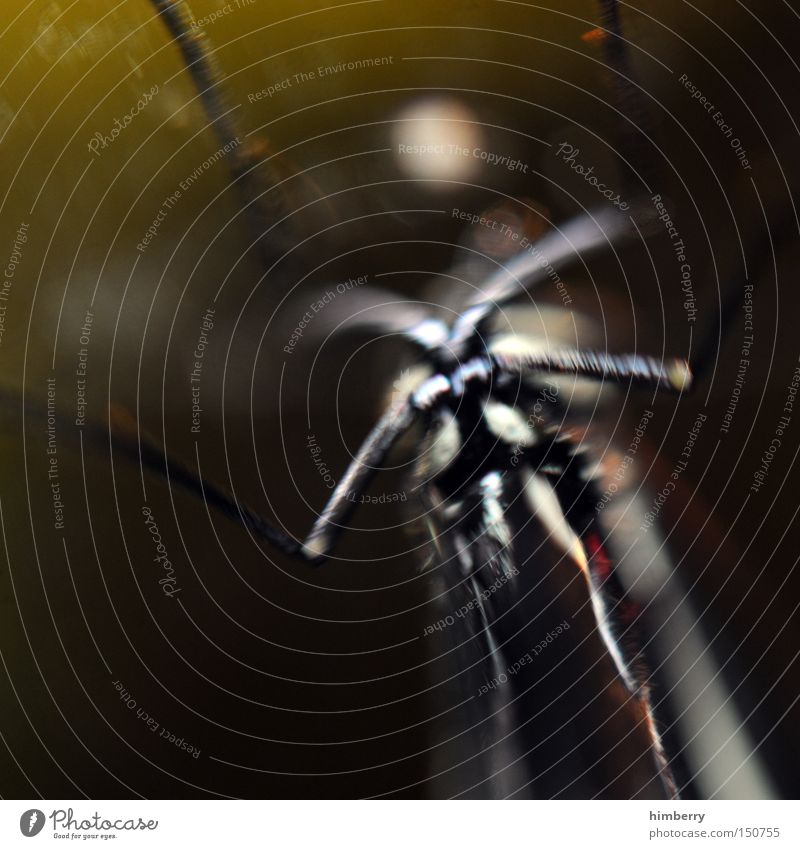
(399, 400)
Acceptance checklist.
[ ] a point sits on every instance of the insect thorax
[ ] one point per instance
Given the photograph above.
(479, 423)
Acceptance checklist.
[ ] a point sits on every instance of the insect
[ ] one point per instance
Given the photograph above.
(480, 450)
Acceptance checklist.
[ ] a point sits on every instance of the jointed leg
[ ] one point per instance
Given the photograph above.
(615, 612)
(672, 374)
(634, 123)
(200, 66)
(573, 241)
(326, 529)
(242, 163)
(616, 616)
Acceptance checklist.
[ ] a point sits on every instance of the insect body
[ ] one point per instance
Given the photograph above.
(481, 448)
(483, 454)
(484, 449)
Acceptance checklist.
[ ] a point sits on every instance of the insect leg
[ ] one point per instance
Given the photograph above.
(201, 67)
(634, 123)
(326, 530)
(242, 163)
(571, 242)
(616, 615)
(671, 373)
(476, 557)
(615, 612)
(142, 449)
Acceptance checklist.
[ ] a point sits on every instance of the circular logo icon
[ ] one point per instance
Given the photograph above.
(31, 822)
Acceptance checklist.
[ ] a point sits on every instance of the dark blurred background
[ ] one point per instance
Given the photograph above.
(293, 682)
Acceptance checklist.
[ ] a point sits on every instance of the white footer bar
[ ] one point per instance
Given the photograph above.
(398, 824)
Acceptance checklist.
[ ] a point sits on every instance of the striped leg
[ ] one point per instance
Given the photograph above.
(242, 162)
(325, 531)
(124, 435)
(615, 612)
(671, 374)
(200, 66)
(634, 125)
(616, 615)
